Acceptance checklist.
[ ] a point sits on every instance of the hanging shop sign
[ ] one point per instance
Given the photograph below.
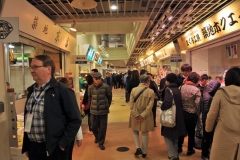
(220, 24)
(166, 51)
(231, 51)
(175, 58)
(36, 24)
(78, 59)
(9, 29)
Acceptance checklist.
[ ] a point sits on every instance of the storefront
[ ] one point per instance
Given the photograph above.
(212, 46)
(27, 33)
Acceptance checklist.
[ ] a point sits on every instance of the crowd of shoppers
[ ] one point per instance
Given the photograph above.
(197, 99)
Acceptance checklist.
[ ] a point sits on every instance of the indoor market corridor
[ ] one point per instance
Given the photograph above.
(119, 135)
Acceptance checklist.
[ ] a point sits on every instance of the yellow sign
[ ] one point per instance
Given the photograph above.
(222, 23)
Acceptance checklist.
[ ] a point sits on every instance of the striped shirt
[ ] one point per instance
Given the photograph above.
(35, 104)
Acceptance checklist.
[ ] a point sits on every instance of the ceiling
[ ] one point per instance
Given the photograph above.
(154, 13)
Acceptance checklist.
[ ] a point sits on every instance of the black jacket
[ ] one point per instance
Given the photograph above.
(132, 83)
(180, 79)
(208, 94)
(61, 115)
(179, 129)
(154, 87)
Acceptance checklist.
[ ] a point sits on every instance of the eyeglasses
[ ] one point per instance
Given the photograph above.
(34, 67)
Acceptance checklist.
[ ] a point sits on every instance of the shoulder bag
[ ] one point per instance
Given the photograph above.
(140, 94)
(168, 117)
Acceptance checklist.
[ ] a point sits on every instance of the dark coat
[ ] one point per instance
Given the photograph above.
(162, 88)
(154, 87)
(61, 115)
(208, 94)
(132, 83)
(101, 98)
(179, 129)
(180, 80)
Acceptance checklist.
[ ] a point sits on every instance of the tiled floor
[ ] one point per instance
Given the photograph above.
(119, 135)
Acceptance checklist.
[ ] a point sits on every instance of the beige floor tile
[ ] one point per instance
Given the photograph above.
(119, 135)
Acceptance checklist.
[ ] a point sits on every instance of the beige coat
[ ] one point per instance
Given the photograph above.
(226, 107)
(143, 107)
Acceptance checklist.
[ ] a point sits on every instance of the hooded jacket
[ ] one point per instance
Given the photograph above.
(225, 107)
(208, 94)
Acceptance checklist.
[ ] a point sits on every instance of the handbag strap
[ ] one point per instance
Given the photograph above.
(171, 94)
(140, 94)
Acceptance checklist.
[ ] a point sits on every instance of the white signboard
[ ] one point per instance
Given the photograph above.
(9, 29)
(175, 58)
(78, 59)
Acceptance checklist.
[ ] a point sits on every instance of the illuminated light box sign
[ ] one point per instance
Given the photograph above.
(220, 24)
(99, 62)
(90, 53)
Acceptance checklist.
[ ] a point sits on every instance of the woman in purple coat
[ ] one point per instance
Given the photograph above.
(171, 135)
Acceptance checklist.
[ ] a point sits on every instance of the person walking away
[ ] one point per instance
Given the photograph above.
(126, 79)
(79, 135)
(108, 80)
(141, 118)
(86, 102)
(154, 87)
(52, 117)
(208, 94)
(134, 81)
(100, 95)
(191, 109)
(224, 114)
(171, 135)
(114, 79)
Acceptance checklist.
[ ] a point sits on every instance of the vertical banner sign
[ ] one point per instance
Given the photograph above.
(9, 29)
(228, 52)
(234, 51)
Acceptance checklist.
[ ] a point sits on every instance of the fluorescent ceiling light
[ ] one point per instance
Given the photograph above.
(73, 28)
(113, 7)
(189, 18)
(11, 46)
(179, 26)
(167, 36)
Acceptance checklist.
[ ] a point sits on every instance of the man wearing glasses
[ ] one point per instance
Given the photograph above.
(52, 118)
(100, 95)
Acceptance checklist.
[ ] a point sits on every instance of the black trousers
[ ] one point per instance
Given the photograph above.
(190, 124)
(37, 151)
(206, 141)
(99, 127)
(154, 108)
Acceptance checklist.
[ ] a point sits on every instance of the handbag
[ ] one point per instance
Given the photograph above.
(168, 117)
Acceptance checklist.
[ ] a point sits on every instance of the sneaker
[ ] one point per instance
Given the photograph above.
(205, 158)
(138, 151)
(101, 146)
(189, 153)
(89, 132)
(180, 150)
